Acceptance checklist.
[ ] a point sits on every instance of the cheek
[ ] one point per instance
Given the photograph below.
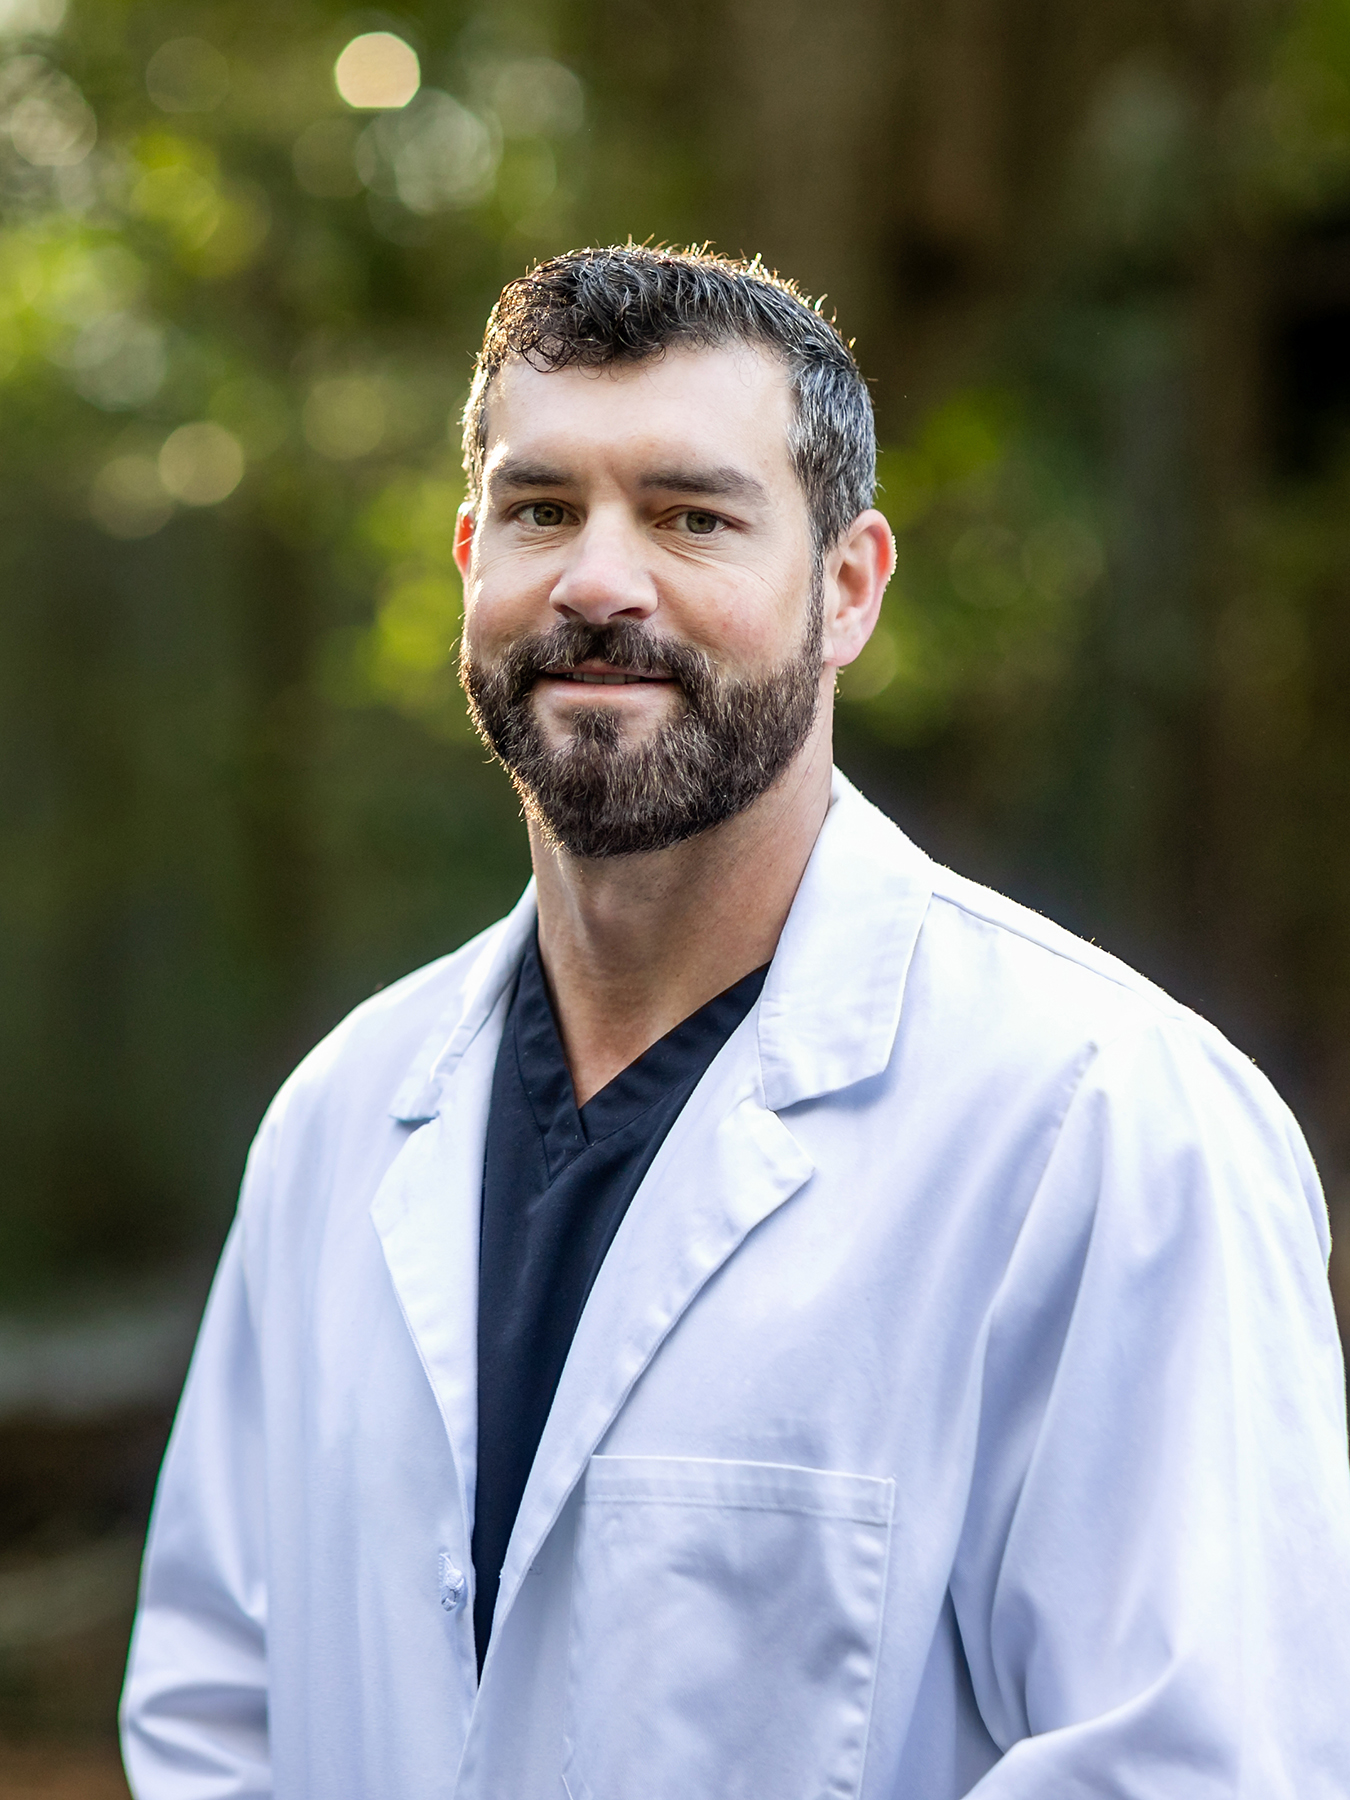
(756, 621)
(496, 612)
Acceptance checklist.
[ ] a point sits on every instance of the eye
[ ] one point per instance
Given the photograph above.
(701, 524)
(546, 515)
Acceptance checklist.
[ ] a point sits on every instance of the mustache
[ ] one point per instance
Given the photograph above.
(620, 644)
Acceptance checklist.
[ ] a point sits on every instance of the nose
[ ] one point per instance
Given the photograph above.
(606, 576)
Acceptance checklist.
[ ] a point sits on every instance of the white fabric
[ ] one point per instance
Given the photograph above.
(959, 1409)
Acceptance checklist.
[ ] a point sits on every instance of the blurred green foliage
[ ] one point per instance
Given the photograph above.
(236, 323)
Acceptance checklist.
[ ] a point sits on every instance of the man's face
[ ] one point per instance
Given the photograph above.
(642, 634)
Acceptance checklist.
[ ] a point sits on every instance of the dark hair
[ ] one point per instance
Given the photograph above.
(628, 303)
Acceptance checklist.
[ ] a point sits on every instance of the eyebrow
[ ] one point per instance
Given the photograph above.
(724, 483)
(517, 473)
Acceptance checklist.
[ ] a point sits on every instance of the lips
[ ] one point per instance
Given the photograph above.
(603, 678)
(620, 654)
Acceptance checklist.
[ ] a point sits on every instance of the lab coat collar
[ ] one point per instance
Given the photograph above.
(830, 1007)
(831, 1004)
(420, 1093)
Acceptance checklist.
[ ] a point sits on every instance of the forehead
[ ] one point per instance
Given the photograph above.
(733, 403)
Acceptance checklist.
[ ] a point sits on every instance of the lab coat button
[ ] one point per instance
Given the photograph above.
(453, 1585)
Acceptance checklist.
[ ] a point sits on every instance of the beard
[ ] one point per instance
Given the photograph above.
(598, 794)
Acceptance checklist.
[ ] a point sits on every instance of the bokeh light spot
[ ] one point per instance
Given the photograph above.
(119, 361)
(433, 157)
(31, 18)
(344, 417)
(128, 499)
(536, 95)
(47, 118)
(377, 71)
(201, 464)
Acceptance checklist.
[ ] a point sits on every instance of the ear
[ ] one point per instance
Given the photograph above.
(464, 529)
(856, 573)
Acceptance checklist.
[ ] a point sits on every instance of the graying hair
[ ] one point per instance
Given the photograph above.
(629, 303)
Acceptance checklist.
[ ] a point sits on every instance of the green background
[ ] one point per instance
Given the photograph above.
(1096, 260)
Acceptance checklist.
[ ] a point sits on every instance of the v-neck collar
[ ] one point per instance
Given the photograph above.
(566, 1129)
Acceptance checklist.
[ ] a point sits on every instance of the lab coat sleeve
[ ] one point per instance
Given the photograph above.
(1153, 1584)
(194, 1709)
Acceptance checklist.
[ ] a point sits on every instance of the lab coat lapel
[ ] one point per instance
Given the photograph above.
(727, 1164)
(426, 1210)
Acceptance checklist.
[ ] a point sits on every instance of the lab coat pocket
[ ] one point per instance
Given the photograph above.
(725, 1621)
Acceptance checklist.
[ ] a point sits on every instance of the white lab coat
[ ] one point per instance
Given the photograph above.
(959, 1408)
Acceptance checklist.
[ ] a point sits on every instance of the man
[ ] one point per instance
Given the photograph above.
(797, 1323)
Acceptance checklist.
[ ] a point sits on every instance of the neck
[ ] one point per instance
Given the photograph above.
(632, 945)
